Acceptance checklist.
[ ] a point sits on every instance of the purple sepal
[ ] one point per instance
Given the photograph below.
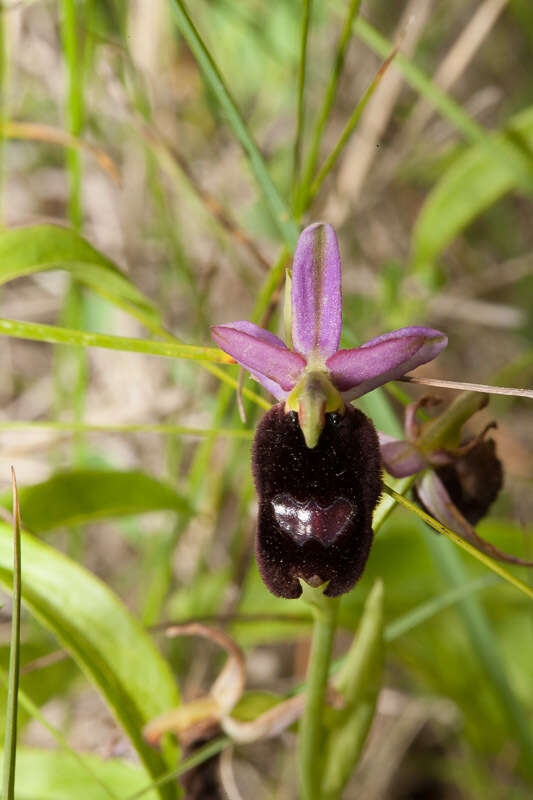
(316, 292)
(260, 352)
(362, 369)
(266, 336)
(401, 458)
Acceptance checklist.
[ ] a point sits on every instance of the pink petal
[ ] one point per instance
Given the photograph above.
(362, 369)
(260, 352)
(316, 292)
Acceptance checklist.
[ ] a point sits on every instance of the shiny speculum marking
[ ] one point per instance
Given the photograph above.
(315, 504)
(311, 521)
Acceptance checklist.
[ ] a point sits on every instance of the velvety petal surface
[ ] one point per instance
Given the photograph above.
(315, 505)
(259, 351)
(388, 357)
(316, 292)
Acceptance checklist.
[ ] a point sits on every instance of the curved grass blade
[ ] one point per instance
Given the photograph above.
(278, 208)
(347, 132)
(440, 528)
(474, 182)
(81, 496)
(485, 646)
(517, 160)
(424, 611)
(10, 740)
(163, 429)
(53, 334)
(329, 96)
(39, 248)
(84, 767)
(203, 754)
(107, 643)
(300, 113)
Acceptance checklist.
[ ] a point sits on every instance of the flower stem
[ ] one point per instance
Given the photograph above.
(311, 726)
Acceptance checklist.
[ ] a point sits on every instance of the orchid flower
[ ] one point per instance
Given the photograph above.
(316, 377)
(316, 459)
(456, 482)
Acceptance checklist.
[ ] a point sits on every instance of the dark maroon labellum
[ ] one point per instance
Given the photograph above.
(474, 480)
(315, 505)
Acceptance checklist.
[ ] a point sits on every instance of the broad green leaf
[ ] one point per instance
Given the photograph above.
(86, 495)
(108, 644)
(28, 250)
(57, 775)
(475, 181)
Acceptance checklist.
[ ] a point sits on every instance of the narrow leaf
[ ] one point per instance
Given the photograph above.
(300, 115)
(56, 335)
(210, 71)
(440, 528)
(94, 626)
(421, 613)
(517, 160)
(474, 181)
(348, 130)
(39, 248)
(329, 95)
(10, 740)
(82, 496)
(133, 427)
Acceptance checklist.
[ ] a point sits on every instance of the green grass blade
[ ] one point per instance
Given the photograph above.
(300, 113)
(329, 96)
(278, 208)
(56, 335)
(203, 754)
(3, 108)
(84, 768)
(347, 132)
(80, 496)
(516, 160)
(74, 302)
(74, 107)
(484, 645)
(423, 612)
(474, 181)
(10, 740)
(440, 528)
(164, 430)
